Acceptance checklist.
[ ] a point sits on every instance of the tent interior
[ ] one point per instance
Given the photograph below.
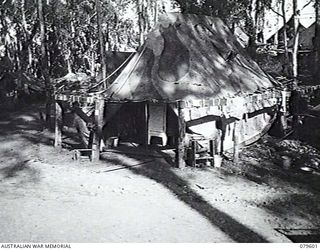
(141, 122)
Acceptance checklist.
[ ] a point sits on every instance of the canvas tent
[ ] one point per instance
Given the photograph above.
(191, 80)
(195, 60)
(274, 22)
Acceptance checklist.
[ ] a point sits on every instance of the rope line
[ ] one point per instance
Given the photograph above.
(101, 81)
(129, 74)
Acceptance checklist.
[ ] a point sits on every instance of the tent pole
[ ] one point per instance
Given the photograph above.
(212, 147)
(97, 133)
(193, 154)
(180, 145)
(146, 115)
(58, 126)
(222, 134)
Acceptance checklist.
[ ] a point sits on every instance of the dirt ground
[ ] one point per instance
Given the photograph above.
(45, 196)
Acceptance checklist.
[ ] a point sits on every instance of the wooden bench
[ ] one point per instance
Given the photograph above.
(79, 154)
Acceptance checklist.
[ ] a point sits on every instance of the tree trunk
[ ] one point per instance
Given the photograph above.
(155, 18)
(69, 61)
(102, 44)
(44, 61)
(295, 53)
(251, 26)
(146, 15)
(26, 44)
(70, 49)
(254, 17)
(93, 64)
(140, 8)
(317, 42)
(108, 44)
(285, 39)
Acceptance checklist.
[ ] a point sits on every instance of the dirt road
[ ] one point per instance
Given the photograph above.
(45, 196)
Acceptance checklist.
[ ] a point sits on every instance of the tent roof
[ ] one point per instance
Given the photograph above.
(188, 57)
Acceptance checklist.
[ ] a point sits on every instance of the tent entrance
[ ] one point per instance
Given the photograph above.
(144, 123)
(127, 121)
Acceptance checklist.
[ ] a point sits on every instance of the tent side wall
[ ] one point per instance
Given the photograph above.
(251, 118)
(247, 118)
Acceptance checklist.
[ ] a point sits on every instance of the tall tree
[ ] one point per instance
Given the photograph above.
(295, 51)
(282, 14)
(101, 43)
(251, 18)
(44, 60)
(141, 20)
(242, 12)
(317, 41)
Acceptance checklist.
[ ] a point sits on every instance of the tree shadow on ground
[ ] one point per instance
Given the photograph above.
(296, 193)
(296, 207)
(301, 235)
(263, 163)
(14, 122)
(18, 167)
(162, 173)
(299, 205)
(29, 125)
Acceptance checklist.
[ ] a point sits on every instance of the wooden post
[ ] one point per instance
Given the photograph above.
(223, 133)
(97, 133)
(146, 115)
(212, 147)
(180, 145)
(193, 151)
(58, 126)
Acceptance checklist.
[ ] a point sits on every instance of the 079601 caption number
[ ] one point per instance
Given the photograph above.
(305, 245)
